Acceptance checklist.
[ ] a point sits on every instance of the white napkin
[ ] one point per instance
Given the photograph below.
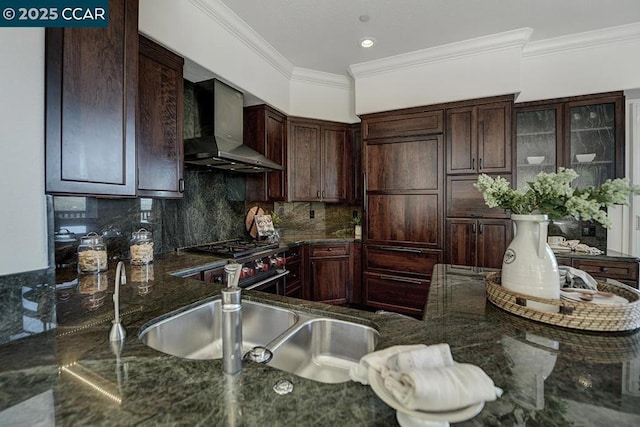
(377, 361)
(442, 389)
(433, 356)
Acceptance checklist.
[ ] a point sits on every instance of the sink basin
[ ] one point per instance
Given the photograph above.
(303, 344)
(196, 333)
(323, 349)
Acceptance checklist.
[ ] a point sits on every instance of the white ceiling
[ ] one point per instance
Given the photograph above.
(324, 35)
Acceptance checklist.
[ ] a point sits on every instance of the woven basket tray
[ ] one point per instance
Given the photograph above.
(571, 314)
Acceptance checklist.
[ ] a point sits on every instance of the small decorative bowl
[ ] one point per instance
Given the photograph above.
(535, 160)
(585, 158)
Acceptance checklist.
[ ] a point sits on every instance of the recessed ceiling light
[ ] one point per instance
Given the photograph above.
(363, 18)
(367, 42)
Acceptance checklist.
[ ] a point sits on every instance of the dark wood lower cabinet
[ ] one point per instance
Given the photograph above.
(397, 277)
(396, 293)
(295, 281)
(330, 272)
(622, 271)
(477, 242)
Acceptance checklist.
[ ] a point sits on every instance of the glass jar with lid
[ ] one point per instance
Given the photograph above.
(141, 247)
(92, 254)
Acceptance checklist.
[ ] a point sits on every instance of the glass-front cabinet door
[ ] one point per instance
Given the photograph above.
(583, 133)
(537, 131)
(592, 132)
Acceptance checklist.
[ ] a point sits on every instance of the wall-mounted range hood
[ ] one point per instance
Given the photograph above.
(220, 111)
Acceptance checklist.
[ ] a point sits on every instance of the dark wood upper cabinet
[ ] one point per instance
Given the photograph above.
(401, 124)
(91, 89)
(160, 122)
(479, 138)
(333, 163)
(355, 178)
(265, 130)
(317, 161)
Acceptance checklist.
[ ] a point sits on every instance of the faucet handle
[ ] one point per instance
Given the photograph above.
(233, 271)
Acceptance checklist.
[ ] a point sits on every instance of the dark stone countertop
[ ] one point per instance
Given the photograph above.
(608, 255)
(70, 374)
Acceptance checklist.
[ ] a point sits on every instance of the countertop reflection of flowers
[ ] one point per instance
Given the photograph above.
(551, 194)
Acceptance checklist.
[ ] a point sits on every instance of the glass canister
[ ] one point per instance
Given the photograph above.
(92, 254)
(141, 247)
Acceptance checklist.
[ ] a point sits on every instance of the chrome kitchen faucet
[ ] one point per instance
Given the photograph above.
(232, 321)
(117, 332)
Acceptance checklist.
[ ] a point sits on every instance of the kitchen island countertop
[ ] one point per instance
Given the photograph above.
(71, 375)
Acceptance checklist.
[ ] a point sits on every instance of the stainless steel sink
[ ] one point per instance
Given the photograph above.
(196, 333)
(310, 346)
(323, 349)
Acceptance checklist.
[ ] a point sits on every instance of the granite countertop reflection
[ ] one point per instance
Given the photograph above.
(72, 375)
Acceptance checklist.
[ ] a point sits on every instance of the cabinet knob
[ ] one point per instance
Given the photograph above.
(604, 269)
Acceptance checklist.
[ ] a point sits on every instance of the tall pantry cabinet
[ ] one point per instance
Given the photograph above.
(478, 140)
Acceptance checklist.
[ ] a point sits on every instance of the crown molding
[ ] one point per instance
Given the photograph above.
(307, 75)
(579, 41)
(239, 29)
(448, 52)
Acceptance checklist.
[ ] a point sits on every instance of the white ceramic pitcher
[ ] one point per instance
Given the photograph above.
(529, 265)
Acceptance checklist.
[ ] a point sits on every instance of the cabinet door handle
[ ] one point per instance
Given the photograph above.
(396, 249)
(323, 194)
(473, 228)
(473, 163)
(480, 163)
(268, 192)
(401, 279)
(318, 194)
(481, 228)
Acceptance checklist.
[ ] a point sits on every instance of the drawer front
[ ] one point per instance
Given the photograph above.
(394, 293)
(609, 269)
(401, 259)
(399, 125)
(329, 250)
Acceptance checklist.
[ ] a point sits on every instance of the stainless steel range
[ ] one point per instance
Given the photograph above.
(263, 263)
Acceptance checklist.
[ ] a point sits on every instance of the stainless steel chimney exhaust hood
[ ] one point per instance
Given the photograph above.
(220, 109)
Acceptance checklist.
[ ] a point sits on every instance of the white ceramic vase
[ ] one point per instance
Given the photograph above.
(529, 265)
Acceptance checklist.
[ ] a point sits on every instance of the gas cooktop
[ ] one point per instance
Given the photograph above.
(236, 248)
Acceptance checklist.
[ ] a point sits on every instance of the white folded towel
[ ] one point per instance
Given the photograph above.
(377, 361)
(443, 388)
(433, 356)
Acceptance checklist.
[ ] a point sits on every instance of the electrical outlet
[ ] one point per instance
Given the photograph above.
(312, 214)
